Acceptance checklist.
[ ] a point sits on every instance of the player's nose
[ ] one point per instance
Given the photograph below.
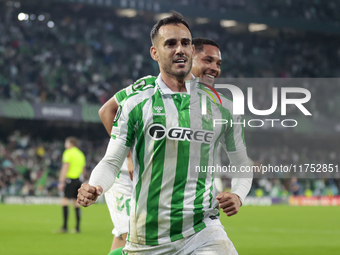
(180, 49)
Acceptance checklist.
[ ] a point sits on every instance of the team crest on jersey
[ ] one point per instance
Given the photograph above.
(119, 112)
(158, 110)
(208, 117)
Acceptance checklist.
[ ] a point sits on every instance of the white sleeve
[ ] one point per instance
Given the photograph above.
(106, 171)
(241, 184)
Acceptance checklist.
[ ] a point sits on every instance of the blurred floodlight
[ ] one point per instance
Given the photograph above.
(130, 13)
(253, 27)
(22, 16)
(202, 20)
(50, 24)
(41, 17)
(160, 16)
(33, 17)
(228, 23)
(17, 4)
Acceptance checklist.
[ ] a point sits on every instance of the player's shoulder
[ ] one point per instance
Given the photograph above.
(145, 82)
(215, 96)
(143, 88)
(133, 89)
(142, 84)
(223, 103)
(142, 91)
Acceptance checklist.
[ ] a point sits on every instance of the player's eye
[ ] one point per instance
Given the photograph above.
(170, 43)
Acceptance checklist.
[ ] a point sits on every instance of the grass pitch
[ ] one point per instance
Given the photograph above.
(28, 229)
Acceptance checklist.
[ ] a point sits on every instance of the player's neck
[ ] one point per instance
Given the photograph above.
(174, 83)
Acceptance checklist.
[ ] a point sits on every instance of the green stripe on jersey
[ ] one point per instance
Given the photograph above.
(151, 224)
(135, 87)
(229, 131)
(120, 95)
(140, 145)
(182, 103)
(204, 161)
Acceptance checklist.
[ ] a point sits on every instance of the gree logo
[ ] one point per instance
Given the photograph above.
(159, 132)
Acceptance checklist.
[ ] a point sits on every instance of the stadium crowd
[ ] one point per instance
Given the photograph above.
(316, 10)
(73, 53)
(85, 54)
(29, 166)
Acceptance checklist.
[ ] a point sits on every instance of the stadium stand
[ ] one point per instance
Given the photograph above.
(29, 165)
(303, 9)
(83, 58)
(73, 53)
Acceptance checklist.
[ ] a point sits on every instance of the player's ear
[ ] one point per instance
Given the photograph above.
(154, 53)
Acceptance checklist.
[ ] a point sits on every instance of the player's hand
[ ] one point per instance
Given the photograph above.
(88, 194)
(229, 202)
(61, 186)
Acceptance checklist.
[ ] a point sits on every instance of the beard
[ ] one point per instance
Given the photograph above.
(179, 74)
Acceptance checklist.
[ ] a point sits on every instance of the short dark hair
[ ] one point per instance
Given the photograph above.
(175, 18)
(72, 140)
(199, 43)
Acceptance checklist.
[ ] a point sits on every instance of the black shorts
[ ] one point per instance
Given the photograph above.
(71, 188)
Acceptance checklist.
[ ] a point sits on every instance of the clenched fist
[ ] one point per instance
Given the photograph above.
(88, 194)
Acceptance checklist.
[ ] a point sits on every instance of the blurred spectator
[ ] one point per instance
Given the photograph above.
(32, 169)
(317, 10)
(90, 53)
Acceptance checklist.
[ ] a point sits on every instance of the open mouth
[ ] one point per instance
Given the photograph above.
(180, 61)
(210, 76)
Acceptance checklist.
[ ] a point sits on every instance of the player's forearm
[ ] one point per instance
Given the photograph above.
(106, 171)
(241, 187)
(241, 183)
(129, 158)
(107, 114)
(107, 117)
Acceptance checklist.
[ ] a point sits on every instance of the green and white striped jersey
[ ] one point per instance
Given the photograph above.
(134, 87)
(169, 138)
(123, 182)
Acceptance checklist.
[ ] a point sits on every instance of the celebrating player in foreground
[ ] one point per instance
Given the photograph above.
(171, 207)
(206, 65)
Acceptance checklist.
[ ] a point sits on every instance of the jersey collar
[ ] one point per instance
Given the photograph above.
(164, 89)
